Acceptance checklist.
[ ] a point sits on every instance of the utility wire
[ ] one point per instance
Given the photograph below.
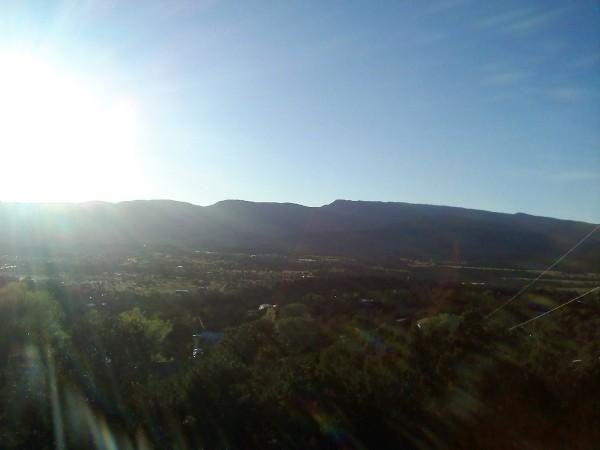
(554, 309)
(550, 267)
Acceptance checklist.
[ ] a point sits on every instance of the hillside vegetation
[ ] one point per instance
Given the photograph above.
(338, 364)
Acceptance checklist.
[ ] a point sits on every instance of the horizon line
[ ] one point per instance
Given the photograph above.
(106, 202)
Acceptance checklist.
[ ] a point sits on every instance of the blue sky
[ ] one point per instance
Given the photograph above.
(490, 105)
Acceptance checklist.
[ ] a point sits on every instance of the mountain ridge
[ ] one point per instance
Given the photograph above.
(342, 227)
(251, 202)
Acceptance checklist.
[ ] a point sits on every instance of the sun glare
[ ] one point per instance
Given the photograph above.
(63, 137)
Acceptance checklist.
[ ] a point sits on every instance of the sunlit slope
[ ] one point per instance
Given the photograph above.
(369, 229)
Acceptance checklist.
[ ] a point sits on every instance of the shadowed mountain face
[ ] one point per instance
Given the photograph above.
(351, 228)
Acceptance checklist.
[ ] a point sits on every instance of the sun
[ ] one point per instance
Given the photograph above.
(63, 137)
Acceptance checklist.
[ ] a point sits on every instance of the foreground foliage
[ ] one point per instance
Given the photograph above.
(418, 368)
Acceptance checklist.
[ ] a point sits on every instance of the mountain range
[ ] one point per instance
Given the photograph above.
(346, 228)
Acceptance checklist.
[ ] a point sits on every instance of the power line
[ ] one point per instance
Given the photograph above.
(550, 267)
(554, 309)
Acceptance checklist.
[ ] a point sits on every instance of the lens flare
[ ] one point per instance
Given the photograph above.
(63, 137)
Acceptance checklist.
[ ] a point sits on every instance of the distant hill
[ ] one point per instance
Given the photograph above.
(351, 228)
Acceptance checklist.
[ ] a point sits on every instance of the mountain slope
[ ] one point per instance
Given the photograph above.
(353, 228)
